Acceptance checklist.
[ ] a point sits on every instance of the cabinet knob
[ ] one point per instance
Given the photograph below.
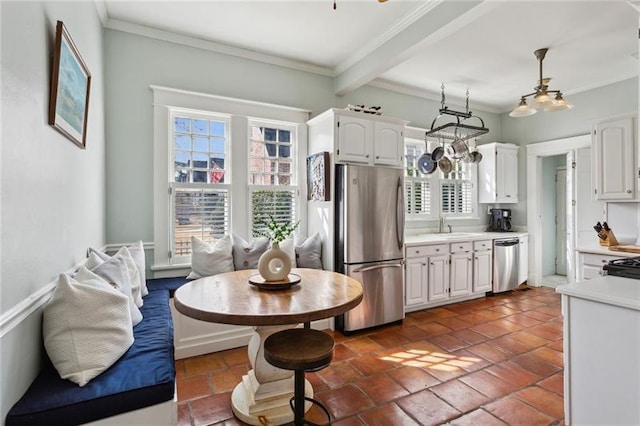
(461, 246)
(377, 157)
(628, 191)
(418, 251)
(437, 249)
(367, 156)
(424, 264)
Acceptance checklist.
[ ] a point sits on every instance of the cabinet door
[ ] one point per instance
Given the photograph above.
(438, 278)
(354, 140)
(507, 175)
(523, 260)
(461, 274)
(614, 160)
(416, 281)
(388, 144)
(482, 271)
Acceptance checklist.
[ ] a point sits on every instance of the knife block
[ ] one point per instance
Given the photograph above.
(610, 239)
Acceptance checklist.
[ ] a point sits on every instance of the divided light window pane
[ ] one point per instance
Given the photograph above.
(200, 194)
(201, 213)
(272, 174)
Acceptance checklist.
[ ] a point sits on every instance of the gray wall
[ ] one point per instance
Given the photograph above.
(52, 192)
(135, 62)
(607, 101)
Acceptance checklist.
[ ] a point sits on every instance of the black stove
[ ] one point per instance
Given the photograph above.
(628, 267)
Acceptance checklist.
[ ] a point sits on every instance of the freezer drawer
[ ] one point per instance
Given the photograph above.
(383, 300)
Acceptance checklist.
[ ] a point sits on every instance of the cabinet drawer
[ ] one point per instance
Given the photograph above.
(482, 245)
(421, 251)
(461, 247)
(597, 259)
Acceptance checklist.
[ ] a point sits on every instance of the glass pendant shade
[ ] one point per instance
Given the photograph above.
(559, 104)
(522, 110)
(541, 100)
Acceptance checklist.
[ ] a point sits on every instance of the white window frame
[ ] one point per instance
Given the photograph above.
(436, 180)
(239, 111)
(175, 187)
(295, 175)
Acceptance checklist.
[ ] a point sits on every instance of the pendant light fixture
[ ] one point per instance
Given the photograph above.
(541, 97)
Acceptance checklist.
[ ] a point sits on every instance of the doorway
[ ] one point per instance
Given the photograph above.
(543, 161)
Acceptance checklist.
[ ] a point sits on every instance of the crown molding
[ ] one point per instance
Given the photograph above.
(425, 94)
(190, 41)
(101, 7)
(422, 9)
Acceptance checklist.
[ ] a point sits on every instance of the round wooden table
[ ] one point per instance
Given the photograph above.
(229, 298)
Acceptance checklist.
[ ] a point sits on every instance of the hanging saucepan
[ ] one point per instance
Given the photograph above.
(476, 157)
(460, 149)
(445, 165)
(426, 165)
(437, 153)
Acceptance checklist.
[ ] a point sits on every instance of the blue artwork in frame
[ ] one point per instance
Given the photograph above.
(70, 85)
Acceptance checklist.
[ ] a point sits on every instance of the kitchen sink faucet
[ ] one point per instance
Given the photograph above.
(441, 226)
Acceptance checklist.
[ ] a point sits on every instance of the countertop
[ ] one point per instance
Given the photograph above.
(617, 291)
(456, 237)
(605, 250)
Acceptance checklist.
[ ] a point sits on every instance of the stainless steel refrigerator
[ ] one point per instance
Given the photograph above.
(369, 238)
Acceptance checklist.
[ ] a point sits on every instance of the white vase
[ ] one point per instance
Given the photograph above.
(274, 264)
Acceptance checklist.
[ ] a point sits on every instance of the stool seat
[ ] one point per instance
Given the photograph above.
(299, 349)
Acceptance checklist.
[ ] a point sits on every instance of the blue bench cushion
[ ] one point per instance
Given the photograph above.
(171, 284)
(144, 376)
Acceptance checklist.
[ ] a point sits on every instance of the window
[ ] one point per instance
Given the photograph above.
(227, 163)
(272, 174)
(438, 194)
(200, 193)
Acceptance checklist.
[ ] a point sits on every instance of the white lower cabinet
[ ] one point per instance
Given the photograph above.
(444, 273)
(590, 264)
(482, 266)
(416, 272)
(438, 278)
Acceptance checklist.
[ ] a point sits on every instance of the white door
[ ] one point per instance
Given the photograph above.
(561, 221)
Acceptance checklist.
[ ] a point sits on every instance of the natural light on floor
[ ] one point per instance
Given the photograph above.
(432, 360)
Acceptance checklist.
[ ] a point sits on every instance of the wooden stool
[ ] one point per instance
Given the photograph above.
(300, 350)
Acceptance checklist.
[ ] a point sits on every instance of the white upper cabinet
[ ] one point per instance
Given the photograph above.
(614, 161)
(498, 173)
(358, 138)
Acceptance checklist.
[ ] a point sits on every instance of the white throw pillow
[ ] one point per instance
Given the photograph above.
(247, 253)
(309, 252)
(210, 259)
(289, 247)
(137, 253)
(117, 272)
(86, 326)
(132, 271)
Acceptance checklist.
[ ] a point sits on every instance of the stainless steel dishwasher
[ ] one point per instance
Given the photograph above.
(505, 264)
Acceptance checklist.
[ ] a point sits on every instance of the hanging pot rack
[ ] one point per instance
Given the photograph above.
(455, 130)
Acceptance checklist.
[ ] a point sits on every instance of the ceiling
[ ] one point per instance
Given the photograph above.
(413, 47)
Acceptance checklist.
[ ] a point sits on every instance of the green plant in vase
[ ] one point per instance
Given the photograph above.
(275, 263)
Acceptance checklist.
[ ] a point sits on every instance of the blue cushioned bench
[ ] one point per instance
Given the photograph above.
(142, 377)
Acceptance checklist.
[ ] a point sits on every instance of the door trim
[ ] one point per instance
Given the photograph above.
(535, 153)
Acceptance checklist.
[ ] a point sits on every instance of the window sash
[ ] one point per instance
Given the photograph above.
(437, 194)
(456, 197)
(201, 211)
(278, 202)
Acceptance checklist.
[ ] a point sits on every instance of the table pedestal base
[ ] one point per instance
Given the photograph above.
(264, 393)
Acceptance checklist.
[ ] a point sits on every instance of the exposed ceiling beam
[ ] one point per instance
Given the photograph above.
(438, 20)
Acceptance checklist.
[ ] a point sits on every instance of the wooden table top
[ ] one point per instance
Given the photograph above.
(229, 298)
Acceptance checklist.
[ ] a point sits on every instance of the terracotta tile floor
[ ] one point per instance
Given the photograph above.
(489, 361)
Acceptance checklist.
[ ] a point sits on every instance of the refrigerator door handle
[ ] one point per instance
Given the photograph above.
(378, 266)
(400, 213)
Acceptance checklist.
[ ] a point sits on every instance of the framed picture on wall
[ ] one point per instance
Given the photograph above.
(70, 84)
(318, 177)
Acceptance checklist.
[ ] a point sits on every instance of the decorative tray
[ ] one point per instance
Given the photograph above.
(261, 283)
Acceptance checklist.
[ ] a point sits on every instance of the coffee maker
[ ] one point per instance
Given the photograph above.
(500, 220)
